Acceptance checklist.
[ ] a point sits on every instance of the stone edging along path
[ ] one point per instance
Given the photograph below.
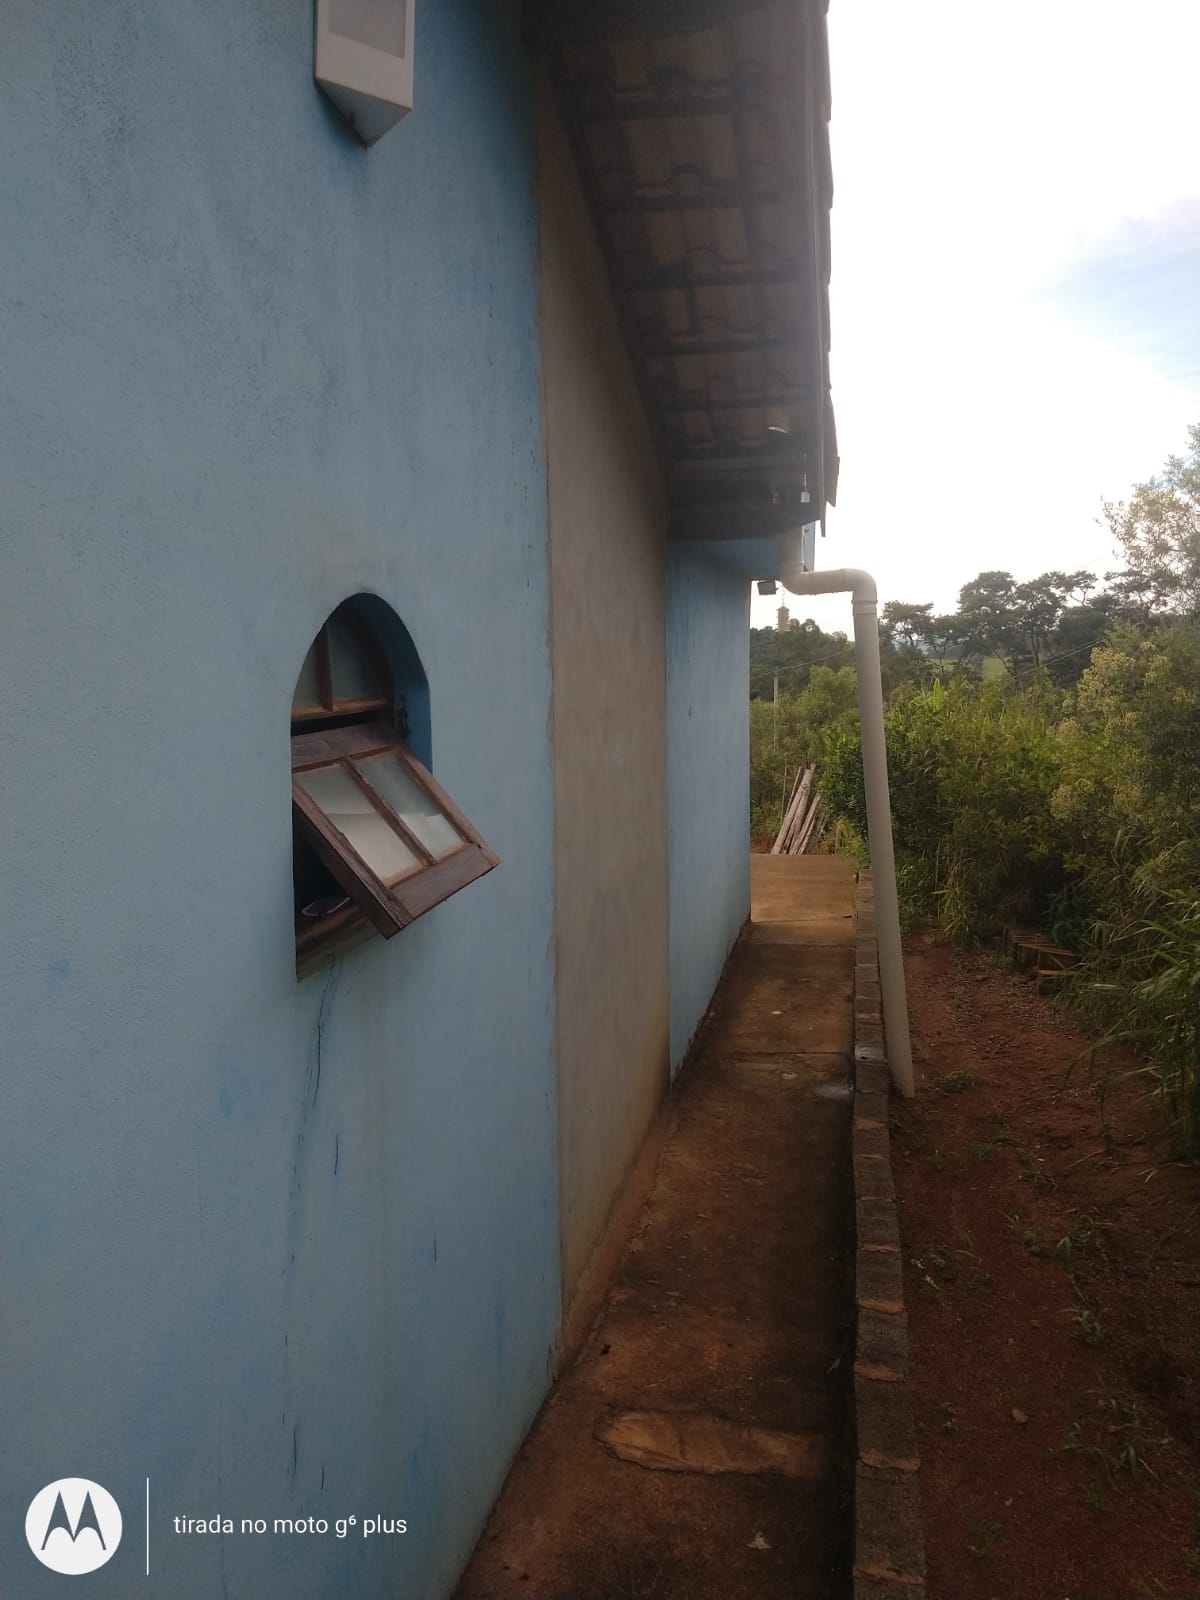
(889, 1540)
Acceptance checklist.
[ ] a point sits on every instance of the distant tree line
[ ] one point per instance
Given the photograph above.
(792, 654)
(1052, 622)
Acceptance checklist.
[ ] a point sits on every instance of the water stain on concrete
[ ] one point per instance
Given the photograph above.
(678, 1442)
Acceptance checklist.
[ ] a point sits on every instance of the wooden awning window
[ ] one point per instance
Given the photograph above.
(383, 826)
(368, 816)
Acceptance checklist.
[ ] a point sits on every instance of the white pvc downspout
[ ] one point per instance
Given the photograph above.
(861, 586)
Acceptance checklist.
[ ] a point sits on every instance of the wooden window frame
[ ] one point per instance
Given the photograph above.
(387, 906)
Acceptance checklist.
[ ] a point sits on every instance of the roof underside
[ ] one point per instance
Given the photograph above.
(701, 132)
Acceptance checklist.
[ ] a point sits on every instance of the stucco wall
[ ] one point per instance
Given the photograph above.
(608, 646)
(708, 778)
(284, 1249)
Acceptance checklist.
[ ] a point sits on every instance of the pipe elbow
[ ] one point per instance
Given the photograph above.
(860, 585)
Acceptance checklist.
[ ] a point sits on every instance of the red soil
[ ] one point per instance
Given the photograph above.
(1051, 1278)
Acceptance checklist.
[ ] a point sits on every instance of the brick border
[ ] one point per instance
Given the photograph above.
(889, 1538)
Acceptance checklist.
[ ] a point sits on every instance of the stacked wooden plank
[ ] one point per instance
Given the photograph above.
(1048, 962)
(802, 817)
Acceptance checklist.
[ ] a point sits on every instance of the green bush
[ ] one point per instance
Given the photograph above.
(1141, 976)
(1076, 812)
(972, 767)
(1130, 754)
(788, 736)
(1129, 806)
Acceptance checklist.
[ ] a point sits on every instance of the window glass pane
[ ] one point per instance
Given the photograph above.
(419, 813)
(354, 677)
(308, 686)
(348, 808)
(378, 23)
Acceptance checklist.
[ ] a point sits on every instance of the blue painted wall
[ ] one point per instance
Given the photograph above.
(287, 1250)
(708, 778)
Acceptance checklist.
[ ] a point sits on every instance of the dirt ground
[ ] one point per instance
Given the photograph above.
(1053, 1291)
(699, 1446)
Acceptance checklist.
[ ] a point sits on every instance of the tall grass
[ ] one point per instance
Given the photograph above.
(1144, 979)
(789, 735)
(971, 772)
(1077, 812)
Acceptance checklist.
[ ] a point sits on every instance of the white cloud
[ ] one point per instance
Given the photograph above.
(978, 149)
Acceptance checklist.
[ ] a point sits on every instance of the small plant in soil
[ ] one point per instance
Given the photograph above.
(954, 1082)
(1149, 1587)
(1034, 1172)
(954, 1163)
(1123, 1417)
(1117, 1409)
(983, 1537)
(1072, 1441)
(1028, 1235)
(1125, 1459)
(1087, 1327)
(929, 1283)
(1084, 1238)
(1076, 1287)
(980, 1149)
(949, 1417)
(978, 1277)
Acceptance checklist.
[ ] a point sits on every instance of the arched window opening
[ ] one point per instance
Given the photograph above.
(376, 841)
(344, 677)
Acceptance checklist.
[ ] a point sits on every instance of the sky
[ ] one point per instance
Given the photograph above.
(1015, 297)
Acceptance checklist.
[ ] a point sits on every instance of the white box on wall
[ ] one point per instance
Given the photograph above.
(364, 61)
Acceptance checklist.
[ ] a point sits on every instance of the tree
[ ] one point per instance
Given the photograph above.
(792, 654)
(902, 633)
(987, 617)
(1040, 606)
(921, 642)
(1131, 747)
(1081, 629)
(906, 625)
(1019, 622)
(1158, 530)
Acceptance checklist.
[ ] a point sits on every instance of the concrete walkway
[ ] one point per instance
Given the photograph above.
(698, 1449)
